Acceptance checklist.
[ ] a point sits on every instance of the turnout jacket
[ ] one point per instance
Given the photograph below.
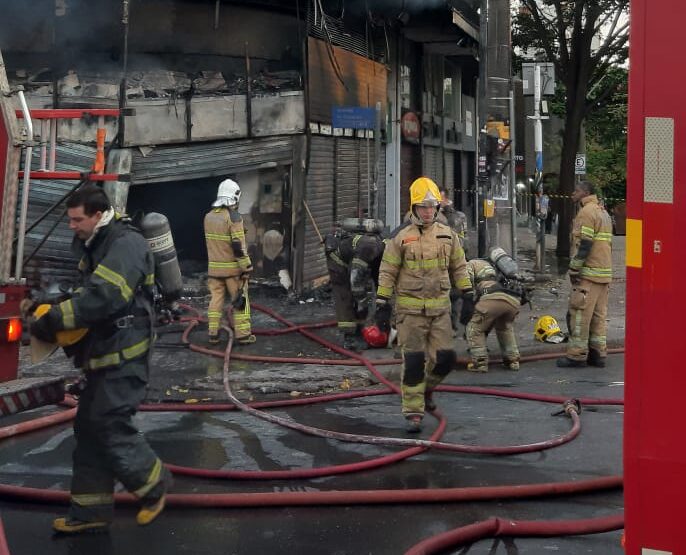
(225, 238)
(114, 300)
(419, 265)
(484, 279)
(591, 247)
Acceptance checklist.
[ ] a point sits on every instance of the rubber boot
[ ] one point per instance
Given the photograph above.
(70, 526)
(153, 503)
(413, 424)
(595, 358)
(566, 362)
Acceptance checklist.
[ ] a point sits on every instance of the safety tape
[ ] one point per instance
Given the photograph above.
(523, 194)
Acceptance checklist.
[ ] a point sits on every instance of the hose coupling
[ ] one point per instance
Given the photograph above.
(569, 406)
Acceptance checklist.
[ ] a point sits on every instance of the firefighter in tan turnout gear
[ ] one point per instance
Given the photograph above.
(499, 295)
(422, 259)
(229, 265)
(590, 271)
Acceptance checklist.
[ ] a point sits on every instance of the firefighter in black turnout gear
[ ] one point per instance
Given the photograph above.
(114, 303)
(353, 255)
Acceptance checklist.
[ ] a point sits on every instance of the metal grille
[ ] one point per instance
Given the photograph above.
(319, 195)
(658, 176)
(347, 193)
(433, 161)
(195, 161)
(54, 260)
(345, 37)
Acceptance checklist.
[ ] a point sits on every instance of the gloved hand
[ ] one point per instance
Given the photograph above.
(467, 308)
(574, 276)
(382, 317)
(41, 328)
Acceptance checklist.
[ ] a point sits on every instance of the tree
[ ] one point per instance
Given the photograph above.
(586, 40)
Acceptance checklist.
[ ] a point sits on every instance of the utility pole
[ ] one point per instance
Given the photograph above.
(542, 200)
(483, 177)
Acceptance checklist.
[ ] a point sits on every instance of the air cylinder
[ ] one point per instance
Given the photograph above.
(156, 230)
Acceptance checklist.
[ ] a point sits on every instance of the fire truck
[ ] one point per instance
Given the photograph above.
(17, 176)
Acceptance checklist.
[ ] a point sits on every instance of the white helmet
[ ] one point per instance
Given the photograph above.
(228, 193)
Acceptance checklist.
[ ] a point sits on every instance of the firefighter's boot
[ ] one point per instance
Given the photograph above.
(413, 423)
(153, 503)
(595, 358)
(71, 526)
(429, 403)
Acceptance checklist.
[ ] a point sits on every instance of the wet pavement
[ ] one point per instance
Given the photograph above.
(236, 441)
(231, 440)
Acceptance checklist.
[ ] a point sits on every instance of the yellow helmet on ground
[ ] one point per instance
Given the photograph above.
(40, 350)
(424, 192)
(548, 330)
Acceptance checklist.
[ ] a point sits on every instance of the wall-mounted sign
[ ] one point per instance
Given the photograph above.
(353, 117)
(411, 127)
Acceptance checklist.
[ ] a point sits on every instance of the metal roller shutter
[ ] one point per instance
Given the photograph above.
(381, 185)
(319, 195)
(347, 180)
(432, 164)
(449, 179)
(196, 161)
(54, 261)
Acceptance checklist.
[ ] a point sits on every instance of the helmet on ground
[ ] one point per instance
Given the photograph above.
(424, 192)
(375, 337)
(548, 330)
(228, 193)
(40, 350)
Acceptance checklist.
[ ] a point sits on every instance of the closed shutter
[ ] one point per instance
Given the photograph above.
(381, 185)
(347, 182)
(54, 260)
(319, 195)
(432, 164)
(449, 179)
(196, 161)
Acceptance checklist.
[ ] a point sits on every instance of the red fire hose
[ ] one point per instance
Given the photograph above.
(494, 526)
(499, 527)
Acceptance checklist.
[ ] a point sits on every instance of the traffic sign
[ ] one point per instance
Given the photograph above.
(580, 164)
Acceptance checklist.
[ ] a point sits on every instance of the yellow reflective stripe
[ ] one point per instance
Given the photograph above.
(603, 236)
(67, 309)
(347, 325)
(413, 302)
(113, 359)
(244, 262)
(596, 272)
(382, 291)
(576, 263)
(427, 264)
(390, 259)
(634, 243)
(213, 314)
(152, 481)
(149, 279)
(92, 499)
(237, 234)
(337, 259)
(464, 283)
(356, 239)
(136, 350)
(115, 279)
(223, 264)
(588, 231)
(217, 237)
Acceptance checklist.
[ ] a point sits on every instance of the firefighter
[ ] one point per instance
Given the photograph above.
(114, 304)
(498, 298)
(229, 265)
(353, 256)
(590, 272)
(422, 259)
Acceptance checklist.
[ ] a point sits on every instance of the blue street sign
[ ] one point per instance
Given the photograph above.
(353, 117)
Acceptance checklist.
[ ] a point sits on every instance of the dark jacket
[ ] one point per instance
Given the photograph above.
(114, 300)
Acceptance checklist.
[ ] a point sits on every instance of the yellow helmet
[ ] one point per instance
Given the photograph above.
(424, 192)
(547, 329)
(40, 350)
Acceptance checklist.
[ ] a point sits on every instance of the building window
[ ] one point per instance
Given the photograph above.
(405, 87)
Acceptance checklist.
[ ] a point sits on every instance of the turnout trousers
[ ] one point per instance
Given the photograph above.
(587, 319)
(219, 287)
(423, 339)
(489, 314)
(109, 447)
